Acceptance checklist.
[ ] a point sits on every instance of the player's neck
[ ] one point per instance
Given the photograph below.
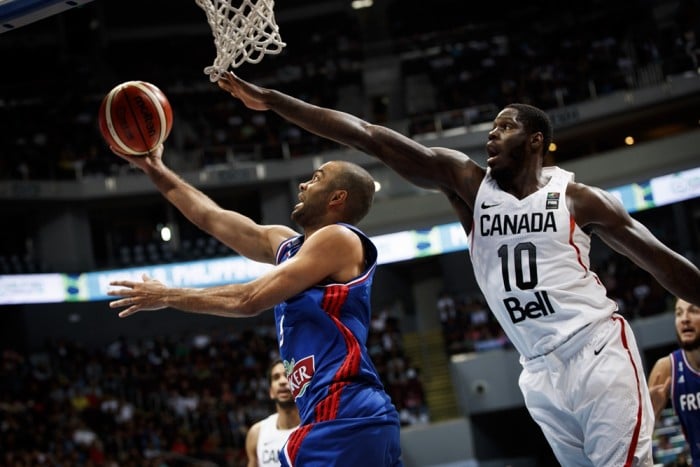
(523, 182)
(287, 418)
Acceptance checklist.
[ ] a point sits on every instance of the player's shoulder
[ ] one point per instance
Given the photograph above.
(585, 194)
(337, 232)
(254, 432)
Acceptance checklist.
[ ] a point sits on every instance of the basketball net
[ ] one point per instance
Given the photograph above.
(245, 33)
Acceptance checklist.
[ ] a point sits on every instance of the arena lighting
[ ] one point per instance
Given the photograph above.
(166, 234)
(359, 4)
(393, 247)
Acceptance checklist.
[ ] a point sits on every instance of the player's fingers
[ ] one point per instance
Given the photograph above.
(128, 312)
(225, 83)
(667, 384)
(121, 154)
(158, 150)
(127, 301)
(121, 293)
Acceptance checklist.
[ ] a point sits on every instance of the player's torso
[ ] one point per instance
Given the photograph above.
(685, 396)
(531, 262)
(322, 335)
(270, 441)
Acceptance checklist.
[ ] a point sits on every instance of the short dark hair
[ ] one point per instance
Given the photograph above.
(535, 120)
(360, 186)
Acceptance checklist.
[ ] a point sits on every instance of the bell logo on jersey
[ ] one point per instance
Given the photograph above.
(533, 309)
(299, 374)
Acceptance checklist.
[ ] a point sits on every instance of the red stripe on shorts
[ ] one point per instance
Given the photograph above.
(638, 426)
(294, 442)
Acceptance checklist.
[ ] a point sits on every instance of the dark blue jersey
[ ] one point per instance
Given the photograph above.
(322, 334)
(685, 395)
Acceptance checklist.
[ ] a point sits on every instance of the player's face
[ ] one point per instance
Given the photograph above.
(506, 146)
(313, 197)
(279, 386)
(687, 325)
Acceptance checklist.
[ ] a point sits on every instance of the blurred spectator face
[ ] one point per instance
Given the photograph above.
(279, 386)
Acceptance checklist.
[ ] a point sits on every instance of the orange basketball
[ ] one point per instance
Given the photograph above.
(135, 117)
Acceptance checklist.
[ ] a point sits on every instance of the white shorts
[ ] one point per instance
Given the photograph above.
(591, 399)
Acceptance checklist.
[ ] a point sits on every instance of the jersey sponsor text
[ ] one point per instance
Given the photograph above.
(690, 401)
(537, 308)
(513, 224)
(299, 374)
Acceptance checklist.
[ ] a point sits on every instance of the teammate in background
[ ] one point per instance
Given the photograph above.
(529, 228)
(320, 289)
(677, 376)
(266, 437)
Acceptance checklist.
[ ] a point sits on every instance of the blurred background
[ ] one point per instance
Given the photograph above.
(81, 387)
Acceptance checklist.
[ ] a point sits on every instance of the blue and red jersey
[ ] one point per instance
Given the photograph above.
(685, 395)
(322, 335)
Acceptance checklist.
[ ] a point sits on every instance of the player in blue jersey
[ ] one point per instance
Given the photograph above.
(320, 291)
(529, 230)
(677, 376)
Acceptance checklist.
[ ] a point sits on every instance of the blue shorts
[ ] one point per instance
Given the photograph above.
(344, 442)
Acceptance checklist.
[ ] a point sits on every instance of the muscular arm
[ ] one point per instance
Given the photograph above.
(593, 207)
(231, 228)
(660, 384)
(432, 168)
(251, 444)
(334, 252)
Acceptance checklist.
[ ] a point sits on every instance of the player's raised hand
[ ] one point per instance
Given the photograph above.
(251, 95)
(150, 294)
(142, 162)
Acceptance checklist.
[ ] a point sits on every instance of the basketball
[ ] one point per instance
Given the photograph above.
(135, 117)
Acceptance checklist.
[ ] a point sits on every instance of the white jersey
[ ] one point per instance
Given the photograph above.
(270, 441)
(532, 264)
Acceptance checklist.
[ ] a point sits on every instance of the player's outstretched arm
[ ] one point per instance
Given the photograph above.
(608, 218)
(233, 229)
(333, 253)
(433, 168)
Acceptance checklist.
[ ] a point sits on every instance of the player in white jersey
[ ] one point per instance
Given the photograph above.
(266, 438)
(529, 230)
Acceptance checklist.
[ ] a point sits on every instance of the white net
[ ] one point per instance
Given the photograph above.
(244, 33)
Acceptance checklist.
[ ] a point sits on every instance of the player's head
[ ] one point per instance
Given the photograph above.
(519, 139)
(687, 325)
(338, 191)
(280, 392)
(535, 120)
